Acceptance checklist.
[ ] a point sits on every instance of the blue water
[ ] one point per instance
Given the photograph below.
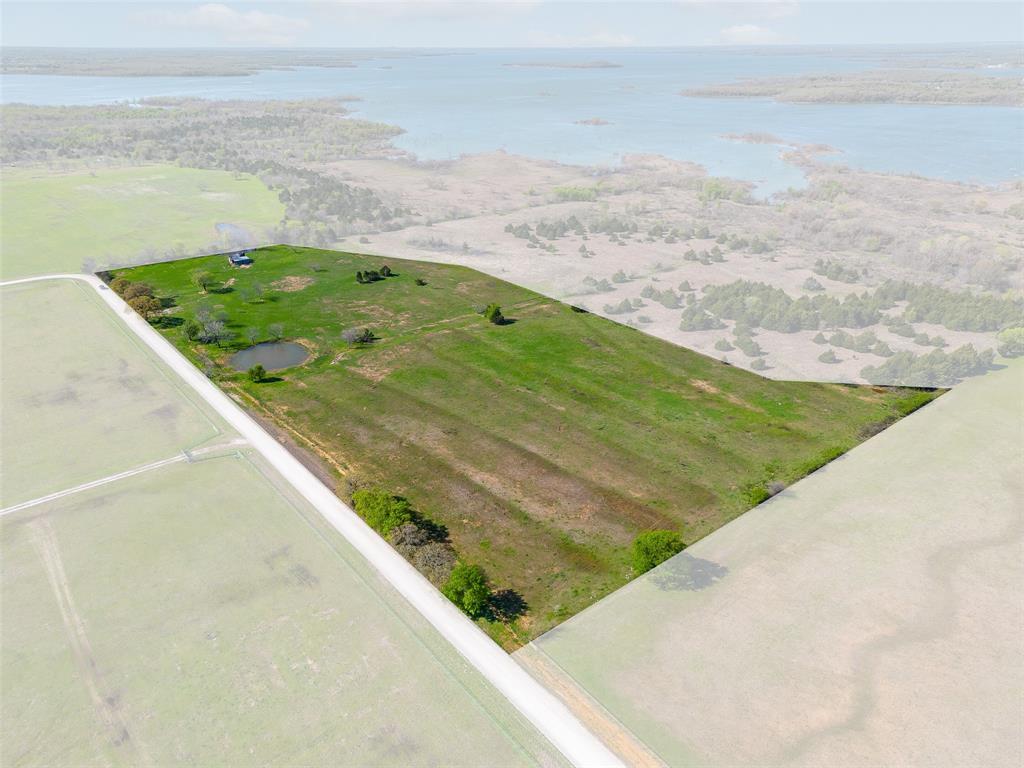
(470, 102)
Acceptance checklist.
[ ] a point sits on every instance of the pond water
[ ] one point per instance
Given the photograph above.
(272, 355)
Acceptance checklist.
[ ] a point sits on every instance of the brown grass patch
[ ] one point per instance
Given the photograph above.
(292, 283)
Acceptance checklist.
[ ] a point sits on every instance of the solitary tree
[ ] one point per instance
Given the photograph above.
(257, 373)
(493, 313)
(652, 548)
(252, 335)
(385, 271)
(1011, 342)
(202, 279)
(275, 331)
(191, 330)
(215, 331)
(467, 588)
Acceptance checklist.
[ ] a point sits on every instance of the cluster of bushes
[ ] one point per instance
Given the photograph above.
(426, 546)
(745, 343)
(934, 369)
(737, 243)
(833, 270)
(695, 318)
(760, 305)
(866, 342)
(593, 285)
(705, 257)
(576, 194)
(373, 275)
(138, 296)
(722, 189)
(667, 297)
(956, 310)
(623, 307)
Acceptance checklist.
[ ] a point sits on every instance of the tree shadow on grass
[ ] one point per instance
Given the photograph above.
(505, 605)
(686, 573)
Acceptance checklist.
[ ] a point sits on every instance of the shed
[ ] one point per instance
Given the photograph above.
(239, 259)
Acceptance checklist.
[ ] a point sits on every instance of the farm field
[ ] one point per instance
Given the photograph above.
(198, 611)
(871, 615)
(79, 375)
(251, 635)
(56, 222)
(539, 448)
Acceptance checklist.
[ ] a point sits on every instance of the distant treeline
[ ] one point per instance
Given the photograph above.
(276, 141)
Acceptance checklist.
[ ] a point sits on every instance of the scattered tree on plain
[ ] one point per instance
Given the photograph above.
(467, 588)
(493, 314)
(202, 280)
(257, 373)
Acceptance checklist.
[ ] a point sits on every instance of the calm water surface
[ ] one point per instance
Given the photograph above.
(272, 355)
(470, 102)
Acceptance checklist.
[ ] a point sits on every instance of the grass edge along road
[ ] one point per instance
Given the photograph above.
(549, 715)
(508, 430)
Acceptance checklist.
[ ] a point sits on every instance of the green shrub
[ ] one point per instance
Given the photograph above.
(1011, 342)
(493, 313)
(652, 548)
(467, 588)
(257, 374)
(755, 493)
(381, 510)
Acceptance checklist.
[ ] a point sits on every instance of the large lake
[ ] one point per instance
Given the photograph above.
(474, 102)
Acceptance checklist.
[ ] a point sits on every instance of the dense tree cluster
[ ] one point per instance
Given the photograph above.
(956, 310)
(760, 305)
(935, 369)
(276, 141)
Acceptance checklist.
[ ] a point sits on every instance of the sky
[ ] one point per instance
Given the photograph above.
(527, 23)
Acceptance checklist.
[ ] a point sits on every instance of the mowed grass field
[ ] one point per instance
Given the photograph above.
(543, 446)
(54, 221)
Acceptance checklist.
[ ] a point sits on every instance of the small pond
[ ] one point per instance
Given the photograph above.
(272, 355)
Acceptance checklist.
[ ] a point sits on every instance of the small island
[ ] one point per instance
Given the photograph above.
(878, 87)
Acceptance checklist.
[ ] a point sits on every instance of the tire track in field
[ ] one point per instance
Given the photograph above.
(104, 702)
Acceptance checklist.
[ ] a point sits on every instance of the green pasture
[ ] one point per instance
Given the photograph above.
(58, 221)
(543, 445)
